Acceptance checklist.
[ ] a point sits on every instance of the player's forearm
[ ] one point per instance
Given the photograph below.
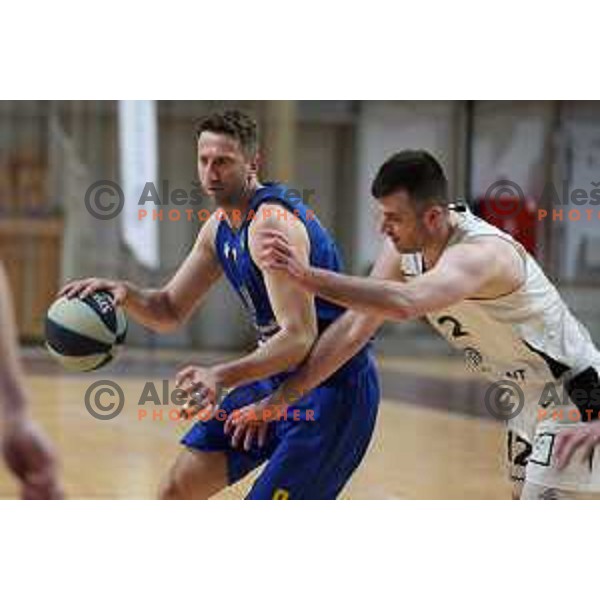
(283, 351)
(13, 402)
(150, 308)
(12, 397)
(336, 346)
(388, 300)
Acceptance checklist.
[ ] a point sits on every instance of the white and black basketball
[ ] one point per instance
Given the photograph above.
(84, 335)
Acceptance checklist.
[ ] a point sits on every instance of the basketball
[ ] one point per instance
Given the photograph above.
(85, 334)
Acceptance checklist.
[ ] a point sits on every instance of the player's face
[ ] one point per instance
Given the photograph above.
(223, 168)
(408, 231)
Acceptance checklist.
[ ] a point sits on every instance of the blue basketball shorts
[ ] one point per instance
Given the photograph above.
(314, 450)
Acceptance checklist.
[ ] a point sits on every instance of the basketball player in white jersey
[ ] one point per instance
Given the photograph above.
(484, 293)
(26, 450)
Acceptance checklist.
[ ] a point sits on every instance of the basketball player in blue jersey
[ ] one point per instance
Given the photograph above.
(26, 450)
(312, 450)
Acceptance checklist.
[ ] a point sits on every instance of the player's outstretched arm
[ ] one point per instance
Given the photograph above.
(463, 271)
(341, 340)
(26, 450)
(168, 308)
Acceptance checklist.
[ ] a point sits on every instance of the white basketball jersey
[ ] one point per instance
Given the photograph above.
(528, 337)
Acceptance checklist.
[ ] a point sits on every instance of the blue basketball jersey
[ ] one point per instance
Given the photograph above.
(245, 277)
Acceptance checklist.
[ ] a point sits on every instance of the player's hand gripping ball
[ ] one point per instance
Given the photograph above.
(85, 334)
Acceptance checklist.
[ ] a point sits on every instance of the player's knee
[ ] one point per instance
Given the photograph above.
(194, 476)
(177, 485)
(172, 488)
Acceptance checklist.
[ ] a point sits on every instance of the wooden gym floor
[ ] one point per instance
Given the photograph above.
(432, 440)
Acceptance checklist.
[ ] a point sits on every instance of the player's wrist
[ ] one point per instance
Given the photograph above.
(284, 397)
(14, 407)
(268, 410)
(220, 376)
(14, 417)
(308, 277)
(128, 293)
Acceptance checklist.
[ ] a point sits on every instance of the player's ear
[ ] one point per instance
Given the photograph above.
(433, 216)
(255, 163)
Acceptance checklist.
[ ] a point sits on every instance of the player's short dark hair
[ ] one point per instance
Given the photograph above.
(233, 123)
(415, 171)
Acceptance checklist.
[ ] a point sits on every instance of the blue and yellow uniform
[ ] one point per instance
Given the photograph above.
(313, 451)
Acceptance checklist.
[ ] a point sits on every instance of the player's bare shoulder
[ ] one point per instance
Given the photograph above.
(502, 261)
(206, 238)
(274, 216)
